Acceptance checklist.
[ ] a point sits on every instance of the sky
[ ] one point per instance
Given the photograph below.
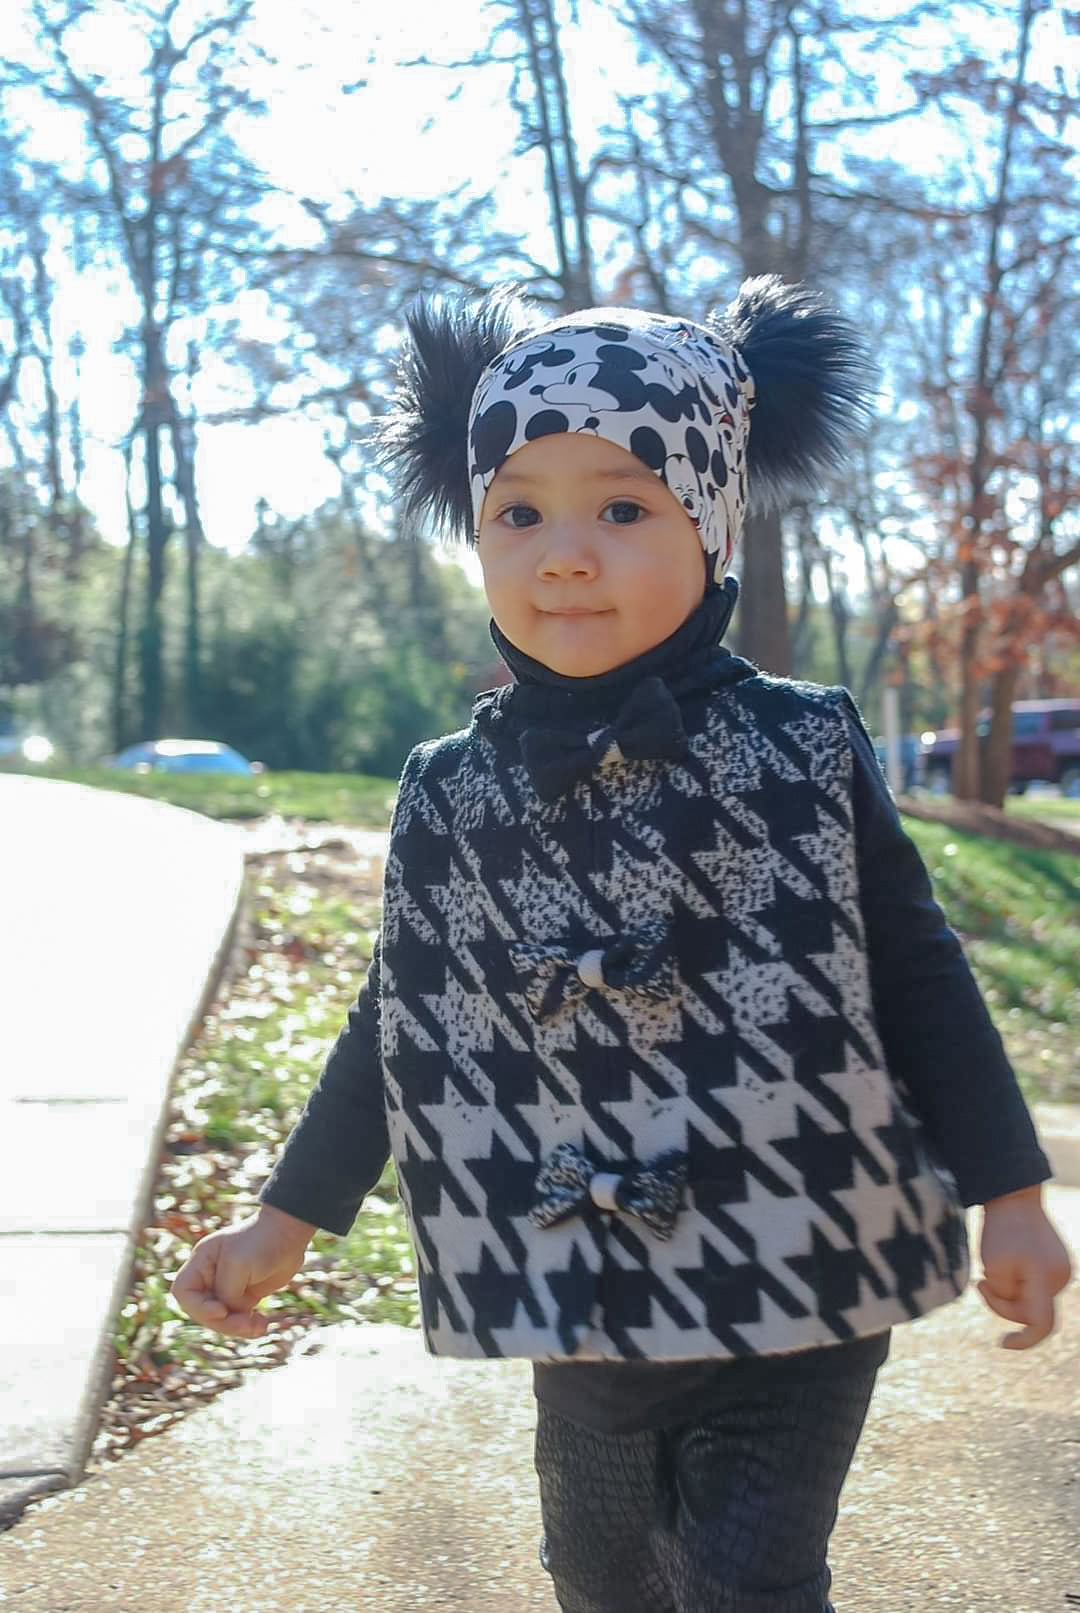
(318, 135)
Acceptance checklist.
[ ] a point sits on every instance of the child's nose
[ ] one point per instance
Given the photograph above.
(567, 552)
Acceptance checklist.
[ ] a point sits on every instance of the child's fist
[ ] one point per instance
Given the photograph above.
(1025, 1265)
(229, 1272)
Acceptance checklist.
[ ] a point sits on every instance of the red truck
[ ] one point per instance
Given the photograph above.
(1045, 745)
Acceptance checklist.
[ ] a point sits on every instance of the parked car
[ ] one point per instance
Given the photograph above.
(1045, 745)
(183, 756)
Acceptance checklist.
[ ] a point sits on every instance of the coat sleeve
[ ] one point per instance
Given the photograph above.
(941, 1046)
(336, 1152)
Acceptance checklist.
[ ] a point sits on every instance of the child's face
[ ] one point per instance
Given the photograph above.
(588, 559)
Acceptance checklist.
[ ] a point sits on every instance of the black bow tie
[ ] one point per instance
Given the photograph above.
(567, 1181)
(648, 728)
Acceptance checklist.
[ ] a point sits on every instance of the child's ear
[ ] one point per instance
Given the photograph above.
(814, 385)
(424, 438)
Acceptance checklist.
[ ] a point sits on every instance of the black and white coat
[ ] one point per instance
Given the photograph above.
(816, 1207)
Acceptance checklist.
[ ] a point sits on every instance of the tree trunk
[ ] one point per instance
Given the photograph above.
(967, 781)
(369, 550)
(763, 625)
(798, 243)
(53, 471)
(997, 755)
(157, 532)
(547, 141)
(581, 291)
(194, 539)
(77, 522)
(737, 129)
(119, 688)
(192, 698)
(25, 639)
(966, 767)
(841, 616)
(886, 618)
(723, 55)
(802, 630)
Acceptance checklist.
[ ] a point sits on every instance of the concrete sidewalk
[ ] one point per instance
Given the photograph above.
(116, 915)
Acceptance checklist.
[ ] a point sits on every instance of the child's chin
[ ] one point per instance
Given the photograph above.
(582, 666)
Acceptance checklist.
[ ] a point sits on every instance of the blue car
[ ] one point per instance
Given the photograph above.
(183, 756)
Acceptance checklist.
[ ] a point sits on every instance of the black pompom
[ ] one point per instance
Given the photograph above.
(423, 440)
(814, 382)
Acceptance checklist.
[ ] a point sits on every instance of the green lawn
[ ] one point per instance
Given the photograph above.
(1048, 808)
(352, 798)
(1018, 912)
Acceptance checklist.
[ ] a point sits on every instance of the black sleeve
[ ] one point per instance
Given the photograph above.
(941, 1046)
(335, 1153)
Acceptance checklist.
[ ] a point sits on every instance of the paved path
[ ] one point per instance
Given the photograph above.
(365, 1476)
(115, 913)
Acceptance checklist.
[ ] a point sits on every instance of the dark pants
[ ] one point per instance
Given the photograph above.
(728, 1515)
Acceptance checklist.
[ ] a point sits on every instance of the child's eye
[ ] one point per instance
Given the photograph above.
(521, 515)
(624, 511)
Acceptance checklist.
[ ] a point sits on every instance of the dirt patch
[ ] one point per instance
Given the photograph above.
(977, 818)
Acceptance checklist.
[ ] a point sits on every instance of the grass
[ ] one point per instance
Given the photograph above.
(353, 798)
(347, 798)
(1048, 808)
(1017, 911)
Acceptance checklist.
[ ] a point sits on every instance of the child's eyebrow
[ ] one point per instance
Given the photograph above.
(631, 474)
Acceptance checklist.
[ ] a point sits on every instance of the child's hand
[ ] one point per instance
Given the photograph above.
(1025, 1265)
(229, 1272)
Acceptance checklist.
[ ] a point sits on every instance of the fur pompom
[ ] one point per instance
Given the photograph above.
(814, 385)
(423, 440)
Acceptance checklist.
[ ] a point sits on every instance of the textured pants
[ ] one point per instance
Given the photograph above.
(729, 1515)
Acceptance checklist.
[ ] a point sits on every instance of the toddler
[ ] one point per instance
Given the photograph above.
(686, 1080)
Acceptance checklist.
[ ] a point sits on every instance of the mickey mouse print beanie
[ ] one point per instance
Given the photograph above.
(752, 407)
(668, 391)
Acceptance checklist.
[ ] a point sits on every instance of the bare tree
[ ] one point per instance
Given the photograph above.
(1000, 389)
(165, 183)
(34, 534)
(526, 42)
(756, 121)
